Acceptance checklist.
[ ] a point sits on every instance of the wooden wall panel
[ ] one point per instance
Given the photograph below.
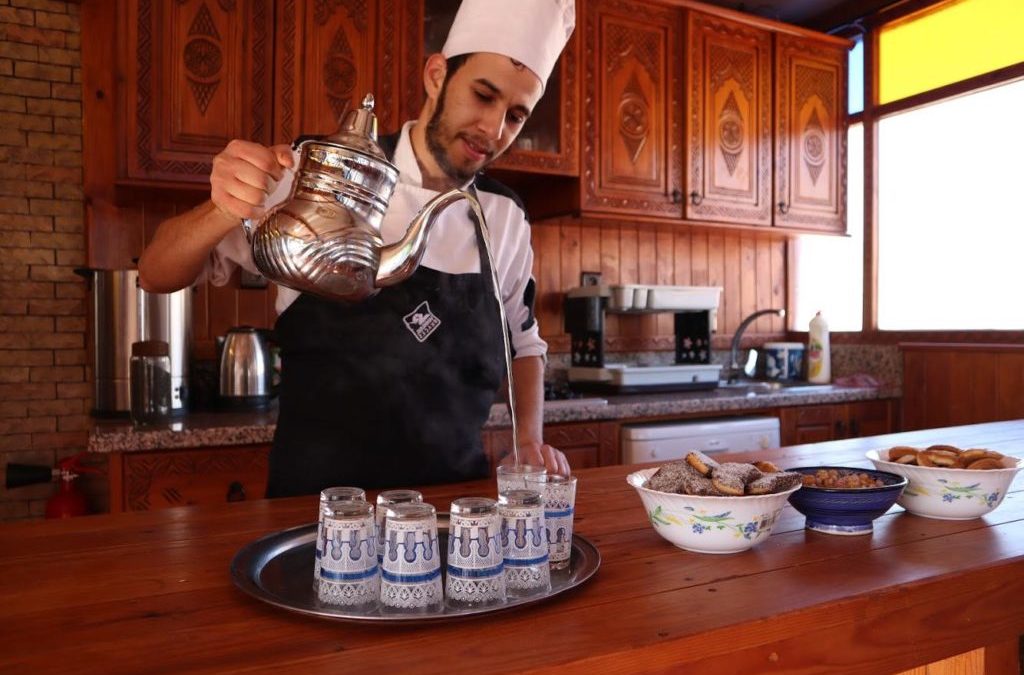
(948, 385)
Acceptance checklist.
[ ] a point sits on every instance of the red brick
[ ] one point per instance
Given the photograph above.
(67, 157)
(13, 409)
(24, 17)
(12, 137)
(26, 188)
(61, 439)
(26, 357)
(26, 324)
(18, 239)
(55, 6)
(55, 174)
(33, 88)
(12, 103)
(66, 406)
(10, 374)
(81, 391)
(29, 256)
(63, 22)
(36, 341)
(9, 272)
(64, 57)
(73, 423)
(12, 171)
(73, 41)
(13, 205)
(11, 510)
(67, 125)
(68, 291)
(58, 240)
(29, 425)
(26, 155)
(27, 392)
(26, 289)
(68, 257)
(6, 67)
(68, 224)
(57, 374)
(39, 139)
(53, 273)
(15, 442)
(71, 324)
(24, 223)
(76, 73)
(13, 307)
(32, 35)
(20, 52)
(56, 307)
(70, 357)
(29, 122)
(42, 71)
(67, 92)
(46, 106)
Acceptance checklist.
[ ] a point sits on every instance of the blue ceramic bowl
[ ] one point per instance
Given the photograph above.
(846, 510)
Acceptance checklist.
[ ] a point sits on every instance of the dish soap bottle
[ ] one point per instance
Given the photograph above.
(819, 369)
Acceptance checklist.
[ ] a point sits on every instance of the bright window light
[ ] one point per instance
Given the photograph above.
(950, 222)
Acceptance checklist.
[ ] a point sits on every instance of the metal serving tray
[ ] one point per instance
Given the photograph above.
(278, 569)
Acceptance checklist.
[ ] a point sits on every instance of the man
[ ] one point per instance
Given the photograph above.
(394, 390)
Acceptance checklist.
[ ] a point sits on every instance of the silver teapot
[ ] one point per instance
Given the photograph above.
(325, 237)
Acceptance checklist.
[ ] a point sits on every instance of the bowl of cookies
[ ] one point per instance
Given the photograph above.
(841, 500)
(947, 482)
(705, 506)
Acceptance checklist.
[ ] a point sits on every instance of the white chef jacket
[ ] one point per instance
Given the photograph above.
(451, 246)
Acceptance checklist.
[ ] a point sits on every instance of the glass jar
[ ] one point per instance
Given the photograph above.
(150, 377)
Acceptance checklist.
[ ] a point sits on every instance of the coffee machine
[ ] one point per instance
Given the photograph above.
(123, 313)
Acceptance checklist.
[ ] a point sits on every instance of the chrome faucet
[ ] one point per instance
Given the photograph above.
(735, 370)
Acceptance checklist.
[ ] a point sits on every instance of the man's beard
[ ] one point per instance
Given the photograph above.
(436, 130)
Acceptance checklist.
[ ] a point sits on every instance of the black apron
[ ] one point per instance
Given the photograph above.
(389, 392)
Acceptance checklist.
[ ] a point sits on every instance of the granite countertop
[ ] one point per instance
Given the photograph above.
(242, 428)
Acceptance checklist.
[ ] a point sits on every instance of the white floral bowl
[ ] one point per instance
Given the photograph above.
(950, 494)
(709, 524)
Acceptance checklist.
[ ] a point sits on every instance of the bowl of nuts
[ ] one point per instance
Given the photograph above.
(704, 506)
(841, 500)
(947, 482)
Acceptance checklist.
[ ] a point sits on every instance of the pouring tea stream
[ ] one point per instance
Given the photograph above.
(325, 237)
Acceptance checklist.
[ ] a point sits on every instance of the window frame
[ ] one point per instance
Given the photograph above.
(869, 28)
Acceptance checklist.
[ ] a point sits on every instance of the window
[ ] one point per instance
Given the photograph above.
(951, 214)
(856, 76)
(828, 272)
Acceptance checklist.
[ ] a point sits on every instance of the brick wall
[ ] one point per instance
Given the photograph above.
(44, 390)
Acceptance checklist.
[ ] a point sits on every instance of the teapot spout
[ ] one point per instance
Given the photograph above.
(399, 260)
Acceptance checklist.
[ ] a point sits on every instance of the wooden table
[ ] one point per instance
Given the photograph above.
(151, 592)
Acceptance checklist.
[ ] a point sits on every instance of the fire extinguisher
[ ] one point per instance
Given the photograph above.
(69, 501)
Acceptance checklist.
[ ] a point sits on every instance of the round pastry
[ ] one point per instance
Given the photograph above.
(901, 451)
(701, 462)
(945, 448)
(766, 467)
(936, 457)
(985, 463)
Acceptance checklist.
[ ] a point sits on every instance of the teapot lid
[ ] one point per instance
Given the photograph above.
(358, 130)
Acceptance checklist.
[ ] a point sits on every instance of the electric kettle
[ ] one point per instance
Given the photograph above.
(246, 369)
(325, 237)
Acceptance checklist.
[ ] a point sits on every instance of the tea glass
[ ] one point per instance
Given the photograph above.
(558, 494)
(390, 498)
(348, 574)
(513, 476)
(411, 570)
(524, 544)
(327, 498)
(476, 571)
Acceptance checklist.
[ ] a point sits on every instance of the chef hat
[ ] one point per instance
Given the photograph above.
(532, 32)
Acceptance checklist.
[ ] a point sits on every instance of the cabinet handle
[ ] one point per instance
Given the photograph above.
(696, 198)
(854, 429)
(783, 208)
(236, 492)
(840, 429)
(677, 196)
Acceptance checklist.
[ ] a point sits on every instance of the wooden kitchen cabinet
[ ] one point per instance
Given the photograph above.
(632, 128)
(196, 75)
(729, 129)
(144, 481)
(818, 423)
(810, 134)
(585, 444)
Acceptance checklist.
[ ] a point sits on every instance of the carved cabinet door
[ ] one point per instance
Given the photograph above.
(810, 135)
(329, 55)
(632, 157)
(729, 146)
(197, 73)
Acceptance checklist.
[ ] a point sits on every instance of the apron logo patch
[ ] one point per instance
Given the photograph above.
(421, 322)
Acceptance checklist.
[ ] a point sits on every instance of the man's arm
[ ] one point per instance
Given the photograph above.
(242, 177)
(528, 374)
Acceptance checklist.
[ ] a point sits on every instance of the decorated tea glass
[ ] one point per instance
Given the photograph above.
(513, 476)
(411, 569)
(558, 494)
(390, 498)
(348, 574)
(475, 568)
(524, 543)
(328, 497)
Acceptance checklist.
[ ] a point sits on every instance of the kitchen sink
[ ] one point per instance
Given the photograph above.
(753, 387)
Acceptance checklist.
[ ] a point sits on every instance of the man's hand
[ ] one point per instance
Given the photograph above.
(542, 454)
(244, 174)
